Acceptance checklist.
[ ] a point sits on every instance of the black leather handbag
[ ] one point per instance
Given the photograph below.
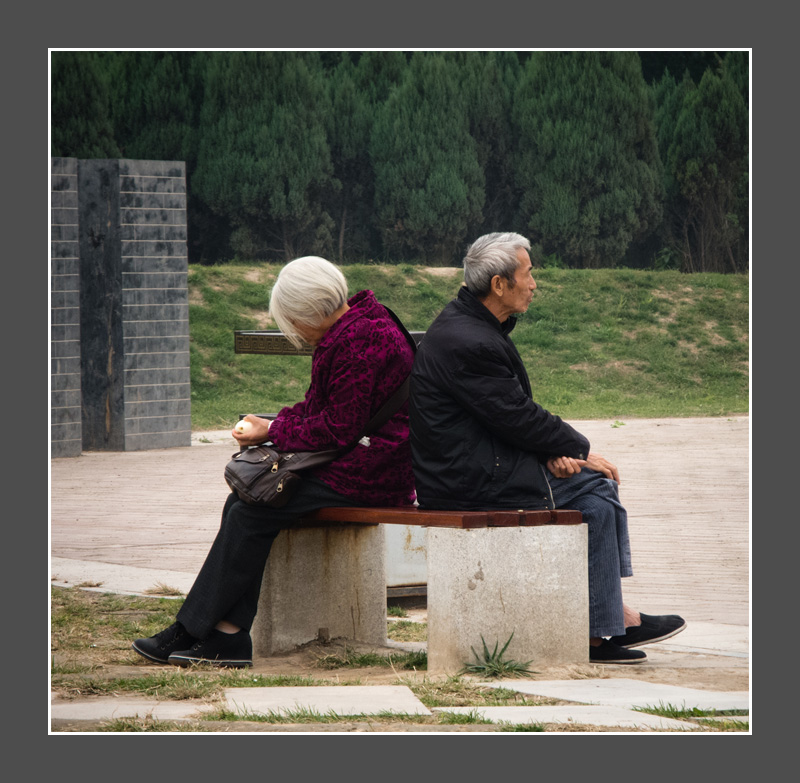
(264, 476)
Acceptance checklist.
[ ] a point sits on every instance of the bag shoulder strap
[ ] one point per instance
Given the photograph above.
(400, 395)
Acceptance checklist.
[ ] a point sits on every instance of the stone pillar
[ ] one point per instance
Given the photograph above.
(102, 368)
(134, 309)
(492, 582)
(65, 352)
(327, 581)
(155, 304)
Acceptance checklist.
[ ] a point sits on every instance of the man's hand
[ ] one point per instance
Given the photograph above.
(564, 467)
(255, 434)
(602, 465)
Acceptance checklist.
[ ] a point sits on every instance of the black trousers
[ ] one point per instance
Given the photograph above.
(229, 583)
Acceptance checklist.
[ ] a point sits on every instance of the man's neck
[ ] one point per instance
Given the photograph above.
(495, 306)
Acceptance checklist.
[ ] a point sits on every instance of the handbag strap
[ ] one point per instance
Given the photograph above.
(389, 408)
(393, 404)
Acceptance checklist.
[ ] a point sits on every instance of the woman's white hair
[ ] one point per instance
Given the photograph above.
(490, 255)
(308, 290)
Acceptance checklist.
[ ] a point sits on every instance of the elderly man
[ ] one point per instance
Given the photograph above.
(479, 441)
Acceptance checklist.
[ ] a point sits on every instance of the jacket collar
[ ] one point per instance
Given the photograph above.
(361, 304)
(468, 302)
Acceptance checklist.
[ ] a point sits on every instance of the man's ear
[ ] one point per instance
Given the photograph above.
(498, 285)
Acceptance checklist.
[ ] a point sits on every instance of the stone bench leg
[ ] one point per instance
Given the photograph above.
(329, 578)
(532, 581)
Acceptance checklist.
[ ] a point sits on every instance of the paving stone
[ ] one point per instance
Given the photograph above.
(111, 708)
(709, 638)
(114, 578)
(341, 700)
(593, 715)
(629, 693)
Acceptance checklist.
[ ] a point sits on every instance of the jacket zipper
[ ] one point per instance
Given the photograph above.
(549, 488)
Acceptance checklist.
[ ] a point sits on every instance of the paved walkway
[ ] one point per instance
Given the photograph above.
(131, 520)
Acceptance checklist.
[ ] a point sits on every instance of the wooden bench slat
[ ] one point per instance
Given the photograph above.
(401, 515)
(563, 516)
(412, 515)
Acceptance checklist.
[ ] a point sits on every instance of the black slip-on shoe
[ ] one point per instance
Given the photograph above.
(159, 647)
(608, 652)
(654, 628)
(218, 649)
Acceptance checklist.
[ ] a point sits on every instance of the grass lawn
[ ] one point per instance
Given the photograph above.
(597, 343)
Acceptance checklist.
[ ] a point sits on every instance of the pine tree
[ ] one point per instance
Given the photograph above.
(152, 105)
(488, 80)
(429, 187)
(349, 124)
(704, 144)
(80, 112)
(263, 156)
(588, 166)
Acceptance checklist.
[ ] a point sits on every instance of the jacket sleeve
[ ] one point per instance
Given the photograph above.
(488, 389)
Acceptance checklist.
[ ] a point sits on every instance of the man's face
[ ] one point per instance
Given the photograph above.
(521, 295)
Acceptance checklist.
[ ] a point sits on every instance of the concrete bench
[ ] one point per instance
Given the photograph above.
(490, 573)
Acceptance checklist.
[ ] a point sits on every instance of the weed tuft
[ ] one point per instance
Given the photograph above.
(521, 727)
(456, 718)
(163, 589)
(148, 724)
(407, 631)
(493, 664)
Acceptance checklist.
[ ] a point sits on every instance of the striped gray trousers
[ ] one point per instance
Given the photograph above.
(597, 498)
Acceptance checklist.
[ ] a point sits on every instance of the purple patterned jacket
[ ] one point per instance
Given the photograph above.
(361, 360)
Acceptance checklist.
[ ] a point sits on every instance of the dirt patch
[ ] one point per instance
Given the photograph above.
(263, 320)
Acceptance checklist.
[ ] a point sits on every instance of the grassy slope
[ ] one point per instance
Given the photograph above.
(597, 344)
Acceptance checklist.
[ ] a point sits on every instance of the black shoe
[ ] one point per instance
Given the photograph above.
(218, 649)
(608, 652)
(159, 647)
(654, 628)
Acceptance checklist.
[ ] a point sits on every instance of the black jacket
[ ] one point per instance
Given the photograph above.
(478, 439)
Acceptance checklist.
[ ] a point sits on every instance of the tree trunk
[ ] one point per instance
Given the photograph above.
(341, 232)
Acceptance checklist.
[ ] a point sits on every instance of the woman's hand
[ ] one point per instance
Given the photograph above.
(251, 430)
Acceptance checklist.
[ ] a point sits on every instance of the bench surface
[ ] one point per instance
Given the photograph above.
(412, 515)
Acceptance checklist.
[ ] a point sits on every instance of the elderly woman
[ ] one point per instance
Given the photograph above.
(361, 356)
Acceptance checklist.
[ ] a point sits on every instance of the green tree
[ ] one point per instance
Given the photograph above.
(152, 105)
(263, 156)
(429, 187)
(588, 167)
(378, 73)
(349, 123)
(80, 110)
(488, 81)
(704, 143)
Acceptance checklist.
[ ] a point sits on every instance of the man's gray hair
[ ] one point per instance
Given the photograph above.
(308, 290)
(490, 255)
